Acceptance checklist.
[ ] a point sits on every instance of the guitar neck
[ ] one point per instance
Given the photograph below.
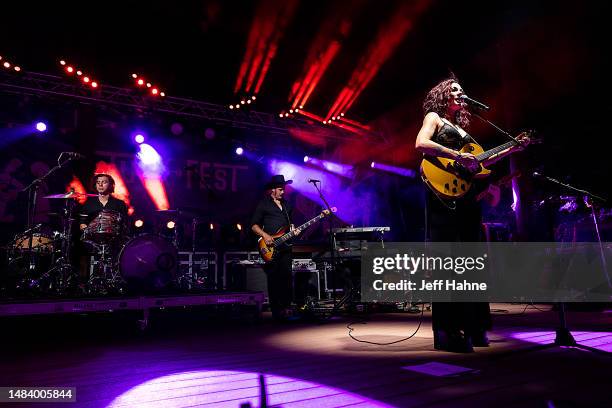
(302, 227)
(485, 155)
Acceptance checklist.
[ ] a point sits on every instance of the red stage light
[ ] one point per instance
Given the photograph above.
(134, 76)
(94, 84)
(62, 62)
(162, 94)
(6, 65)
(140, 82)
(70, 70)
(79, 72)
(138, 223)
(154, 91)
(148, 84)
(86, 79)
(17, 69)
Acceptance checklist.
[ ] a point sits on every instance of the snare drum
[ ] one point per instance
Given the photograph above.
(148, 263)
(41, 242)
(104, 227)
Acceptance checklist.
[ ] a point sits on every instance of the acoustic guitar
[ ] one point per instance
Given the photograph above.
(282, 236)
(449, 179)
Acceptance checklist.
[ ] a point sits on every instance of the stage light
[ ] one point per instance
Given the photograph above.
(286, 115)
(162, 94)
(148, 84)
(149, 156)
(231, 106)
(140, 82)
(79, 73)
(94, 84)
(249, 101)
(134, 76)
(154, 91)
(212, 226)
(62, 62)
(342, 114)
(17, 69)
(210, 133)
(239, 227)
(301, 106)
(290, 110)
(41, 126)
(70, 70)
(253, 97)
(280, 115)
(373, 164)
(325, 122)
(86, 79)
(138, 223)
(171, 224)
(243, 101)
(139, 138)
(6, 65)
(239, 151)
(306, 158)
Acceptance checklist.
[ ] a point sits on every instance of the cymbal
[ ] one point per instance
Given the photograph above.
(71, 194)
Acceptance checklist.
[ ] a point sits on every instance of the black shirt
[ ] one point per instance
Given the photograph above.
(271, 218)
(93, 206)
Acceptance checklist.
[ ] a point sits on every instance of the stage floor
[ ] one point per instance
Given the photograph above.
(212, 360)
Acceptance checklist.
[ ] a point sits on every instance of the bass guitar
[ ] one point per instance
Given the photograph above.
(282, 236)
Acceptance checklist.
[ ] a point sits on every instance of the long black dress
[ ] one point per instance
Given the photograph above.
(458, 221)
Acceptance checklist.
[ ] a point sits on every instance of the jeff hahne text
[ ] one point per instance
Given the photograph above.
(404, 263)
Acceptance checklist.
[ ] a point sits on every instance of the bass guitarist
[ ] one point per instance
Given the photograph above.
(272, 214)
(457, 326)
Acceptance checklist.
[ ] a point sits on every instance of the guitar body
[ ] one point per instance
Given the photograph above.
(446, 178)
(266, 251)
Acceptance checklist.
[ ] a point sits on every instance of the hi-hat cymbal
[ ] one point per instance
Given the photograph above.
(71, 194)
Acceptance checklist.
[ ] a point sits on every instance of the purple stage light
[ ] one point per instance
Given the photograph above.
(139, 138)
(239, 151)
(394, 169)
(599, 340)
(345, 170)
(237, 388)
(148, 156)
(41, 126)
(341, 194)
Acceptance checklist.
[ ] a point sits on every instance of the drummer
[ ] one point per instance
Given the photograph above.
(104, 185)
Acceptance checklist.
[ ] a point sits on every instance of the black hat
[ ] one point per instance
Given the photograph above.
(277, 181)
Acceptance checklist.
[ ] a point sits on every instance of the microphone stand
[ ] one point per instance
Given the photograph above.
(332, 240)
(32, 190)
(494, 126)
(563, 335)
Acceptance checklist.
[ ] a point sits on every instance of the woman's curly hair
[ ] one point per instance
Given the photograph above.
(437, 101)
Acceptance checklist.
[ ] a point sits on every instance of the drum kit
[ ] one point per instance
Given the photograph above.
(44, 261)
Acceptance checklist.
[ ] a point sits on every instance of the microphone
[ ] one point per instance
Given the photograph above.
(74, 155)
(314, 181)
(475, 103)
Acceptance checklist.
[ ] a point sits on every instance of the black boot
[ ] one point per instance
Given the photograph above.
(479, 338)
(452, 341)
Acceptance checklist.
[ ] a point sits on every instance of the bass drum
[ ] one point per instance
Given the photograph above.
(148, 263)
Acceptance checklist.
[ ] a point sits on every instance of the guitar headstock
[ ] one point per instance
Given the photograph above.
(528, 137)
(325, 213)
